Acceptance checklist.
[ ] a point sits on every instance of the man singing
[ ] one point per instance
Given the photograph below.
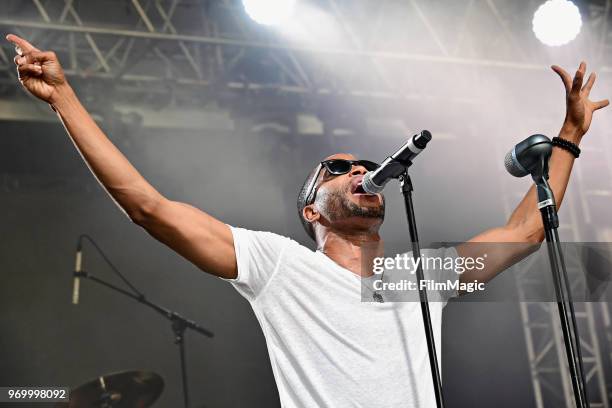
(327, 347)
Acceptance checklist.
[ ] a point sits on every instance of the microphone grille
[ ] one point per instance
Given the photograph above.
(369, 186)
(513, 166)
(422, 139)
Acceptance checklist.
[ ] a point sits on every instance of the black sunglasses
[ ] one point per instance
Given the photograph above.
(337, 167)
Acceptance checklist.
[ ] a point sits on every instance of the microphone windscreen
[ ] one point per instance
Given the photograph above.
(422, 139)
(369, 186)
(513, 166)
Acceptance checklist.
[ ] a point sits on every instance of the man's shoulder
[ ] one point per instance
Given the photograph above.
(268, 238)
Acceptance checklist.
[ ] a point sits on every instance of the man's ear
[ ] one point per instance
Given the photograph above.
(310, 213)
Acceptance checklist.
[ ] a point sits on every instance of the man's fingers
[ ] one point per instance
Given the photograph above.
(577, 83)
(587, 87)
(29, 69)
(565, 77)
(601, 104)
(40, 56)
(21, 43)
(33, 58)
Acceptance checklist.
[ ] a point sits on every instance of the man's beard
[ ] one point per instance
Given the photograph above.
(339, 207)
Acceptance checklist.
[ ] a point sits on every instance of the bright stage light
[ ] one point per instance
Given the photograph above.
(557, 22)
(269, 12)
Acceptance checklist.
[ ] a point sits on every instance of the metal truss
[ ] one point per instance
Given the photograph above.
(543, 338)
(163, 55)
(596, 192)
(185, 48)
(580, 223)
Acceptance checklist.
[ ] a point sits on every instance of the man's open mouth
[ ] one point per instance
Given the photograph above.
(357, 189)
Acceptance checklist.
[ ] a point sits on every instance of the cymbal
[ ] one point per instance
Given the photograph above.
(128, 389)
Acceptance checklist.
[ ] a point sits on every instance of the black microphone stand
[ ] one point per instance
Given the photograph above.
(406, 187)
(178, 322)
(571, 337)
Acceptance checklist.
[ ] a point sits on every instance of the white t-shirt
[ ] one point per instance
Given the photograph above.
(327, 347)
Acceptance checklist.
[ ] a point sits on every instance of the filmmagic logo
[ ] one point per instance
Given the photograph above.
(430, 285)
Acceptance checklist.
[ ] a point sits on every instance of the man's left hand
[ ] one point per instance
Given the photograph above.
(579, 108)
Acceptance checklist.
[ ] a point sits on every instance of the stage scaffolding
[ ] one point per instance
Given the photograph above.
(550, 378)
(148, 45)
(188, 52)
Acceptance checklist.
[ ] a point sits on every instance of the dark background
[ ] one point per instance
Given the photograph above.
(53, 199)
(248, 175)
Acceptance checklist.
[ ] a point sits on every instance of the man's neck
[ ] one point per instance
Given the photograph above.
(352, 251)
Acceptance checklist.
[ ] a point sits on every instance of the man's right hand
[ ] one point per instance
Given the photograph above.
(205, 241)
(39, 71)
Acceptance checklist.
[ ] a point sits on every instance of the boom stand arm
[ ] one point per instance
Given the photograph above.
(179, 325)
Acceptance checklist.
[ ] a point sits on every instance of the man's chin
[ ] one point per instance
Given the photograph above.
(374, 213)
(367, 210)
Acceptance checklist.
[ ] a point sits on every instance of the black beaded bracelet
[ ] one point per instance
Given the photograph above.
(567, 145)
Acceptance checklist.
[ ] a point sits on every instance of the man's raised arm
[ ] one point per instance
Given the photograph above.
(197, 236)
(525, 224)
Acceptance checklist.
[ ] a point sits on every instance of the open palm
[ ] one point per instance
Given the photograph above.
(579, 110)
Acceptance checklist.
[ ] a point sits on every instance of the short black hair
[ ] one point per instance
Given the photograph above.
(301, 202)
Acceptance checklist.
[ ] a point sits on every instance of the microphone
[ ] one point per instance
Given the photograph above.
(526, 156)
(76, 283)
(393, 166)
